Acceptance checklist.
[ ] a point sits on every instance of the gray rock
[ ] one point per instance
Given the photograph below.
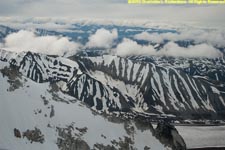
(169, 136)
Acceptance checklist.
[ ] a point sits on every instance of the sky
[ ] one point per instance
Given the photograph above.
(113, 9)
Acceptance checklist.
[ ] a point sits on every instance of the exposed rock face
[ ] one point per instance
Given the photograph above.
(73, 144)
(103, 147)
(126, 143)
(69, 141)
(168, 135)
(34, 135)
(52, 113)
(147, 148)
(11, 72)
(17, 133)
(82, 130)
(13, 77)
(121, 144)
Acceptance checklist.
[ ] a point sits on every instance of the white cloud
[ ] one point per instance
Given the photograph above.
(212, 37)
(154, 37)
(201, 50)
(28, 41)
(130, 47)
(102, 39)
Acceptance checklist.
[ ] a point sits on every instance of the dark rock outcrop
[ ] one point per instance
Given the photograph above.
(169, 136)
(67, 140)
(17, 133)
(34, 135)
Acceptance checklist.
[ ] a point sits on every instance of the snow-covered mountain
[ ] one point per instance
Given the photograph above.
(210, 68)
(42, 68)
(156, 88)
(46, 104)
(114, 84)
(32, 118)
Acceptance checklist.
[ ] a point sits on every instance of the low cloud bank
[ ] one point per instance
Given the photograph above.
(212, 37)
(28, 41)
(200, 50)
(102, 38)
(130, 47)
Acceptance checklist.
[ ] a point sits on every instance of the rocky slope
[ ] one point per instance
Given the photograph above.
(158, 89)
(41, 68)
(210, 68)
(115, 84)
(39, 116)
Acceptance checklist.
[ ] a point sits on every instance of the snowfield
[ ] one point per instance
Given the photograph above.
(24, 108)
(203, 136)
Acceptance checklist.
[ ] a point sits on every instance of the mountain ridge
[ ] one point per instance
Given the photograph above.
(150, 88)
